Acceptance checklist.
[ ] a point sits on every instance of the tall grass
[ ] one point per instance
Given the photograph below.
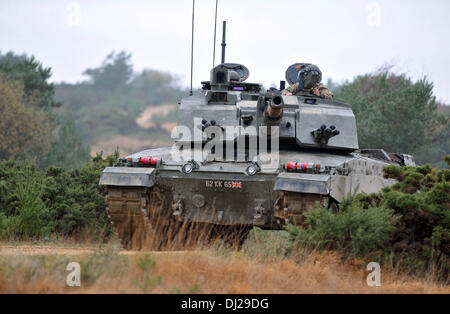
(108, 271)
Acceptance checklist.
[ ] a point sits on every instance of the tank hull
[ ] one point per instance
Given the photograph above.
(223, 194)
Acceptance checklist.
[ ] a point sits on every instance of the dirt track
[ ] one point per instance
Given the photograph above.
(27, 250)
(145, 119)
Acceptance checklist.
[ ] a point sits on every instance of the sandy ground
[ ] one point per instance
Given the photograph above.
(145, 119)
(25, 250)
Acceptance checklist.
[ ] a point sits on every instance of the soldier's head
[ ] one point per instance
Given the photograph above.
(234, 76)
(308, 75)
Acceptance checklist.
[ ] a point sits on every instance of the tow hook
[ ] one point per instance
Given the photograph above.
(177, 208)
(259, 218)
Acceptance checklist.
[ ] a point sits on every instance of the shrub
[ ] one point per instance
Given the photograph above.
(422, 198)
(31, 216)
(354, 229)
(34, 203)
(406, 224)
(75, 199)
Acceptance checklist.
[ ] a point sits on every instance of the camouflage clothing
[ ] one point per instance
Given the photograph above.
(323, 90)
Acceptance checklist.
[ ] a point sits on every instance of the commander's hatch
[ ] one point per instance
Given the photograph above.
(230, 77)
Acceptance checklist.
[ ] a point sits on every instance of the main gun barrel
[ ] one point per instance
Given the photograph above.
(274, 109)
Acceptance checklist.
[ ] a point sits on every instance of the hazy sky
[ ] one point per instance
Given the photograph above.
(345, 38)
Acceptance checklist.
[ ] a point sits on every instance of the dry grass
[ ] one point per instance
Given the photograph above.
(207, 271)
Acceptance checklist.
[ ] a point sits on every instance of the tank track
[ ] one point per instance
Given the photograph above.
(290, 206)
(140, 219)
(126, 212)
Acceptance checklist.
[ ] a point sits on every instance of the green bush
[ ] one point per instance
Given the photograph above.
(69, 203)
(422, 198)
(22, 210)
(353, 229)
(406, 224)
(31, 216)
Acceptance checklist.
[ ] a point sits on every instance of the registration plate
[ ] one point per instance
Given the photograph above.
(223, 184)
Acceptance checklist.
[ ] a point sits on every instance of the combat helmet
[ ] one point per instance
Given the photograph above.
(306, 74)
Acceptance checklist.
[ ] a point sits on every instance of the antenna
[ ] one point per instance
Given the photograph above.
(192, 45)
(223, 40)
(215, 27)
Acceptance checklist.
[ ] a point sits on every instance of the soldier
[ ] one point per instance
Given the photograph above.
(308, 82)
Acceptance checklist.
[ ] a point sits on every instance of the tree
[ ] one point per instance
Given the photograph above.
(29, 127)
(67, 149)
(395, 113)
(24, 130)
(114, 97)
(37, 90)
(114, 73)
(157, 87)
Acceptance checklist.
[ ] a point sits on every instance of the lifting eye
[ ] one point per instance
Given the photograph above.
(251, 170)
(187, 168)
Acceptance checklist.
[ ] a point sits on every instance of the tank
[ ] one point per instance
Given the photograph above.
(241, 158)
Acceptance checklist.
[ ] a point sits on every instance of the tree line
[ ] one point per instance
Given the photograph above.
(112, 97)
(398, 114)
(55, 124)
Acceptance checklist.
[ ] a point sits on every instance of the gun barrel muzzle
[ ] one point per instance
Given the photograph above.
(275, 108)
